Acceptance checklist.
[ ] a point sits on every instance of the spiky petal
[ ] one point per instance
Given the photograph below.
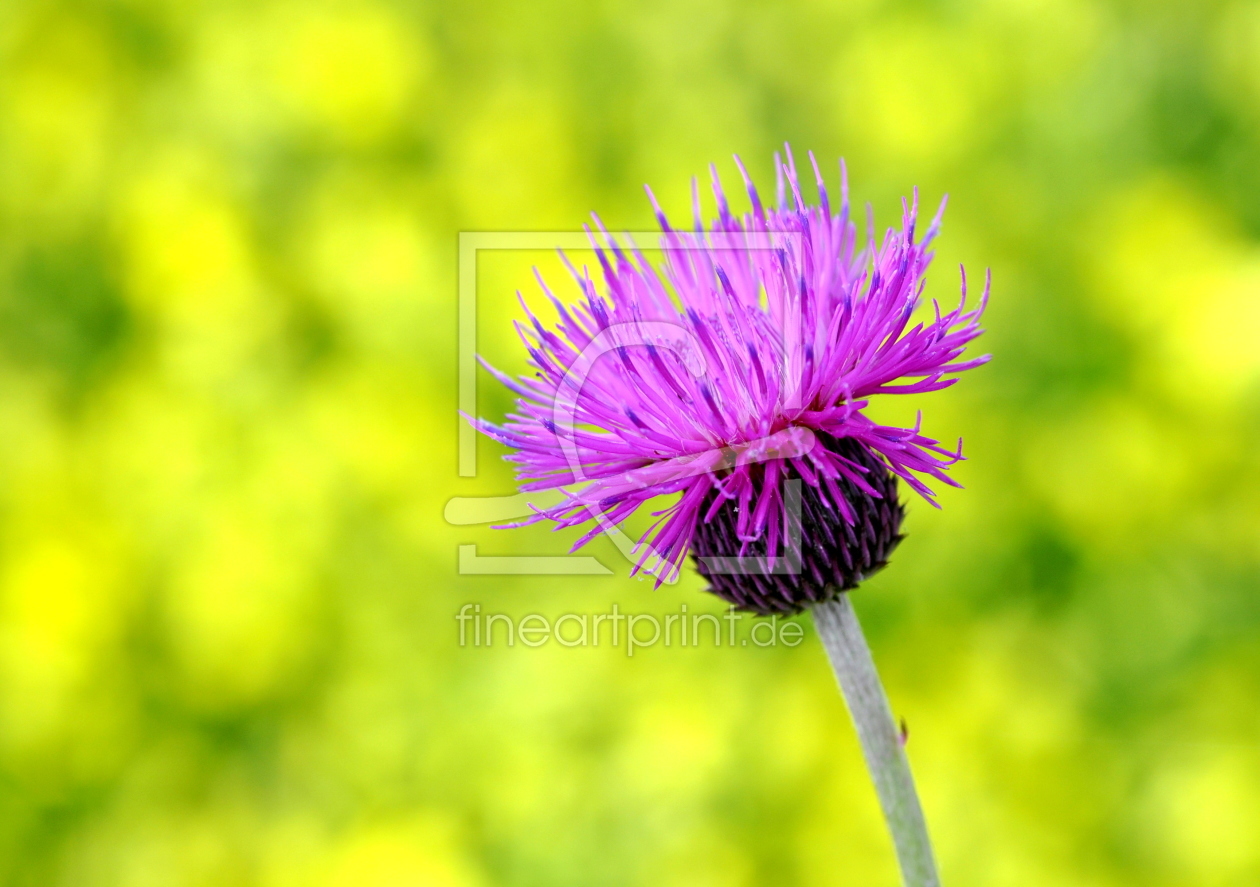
(740, 363)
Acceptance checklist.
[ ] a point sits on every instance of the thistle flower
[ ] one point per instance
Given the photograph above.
(737, 378)
(745, 363)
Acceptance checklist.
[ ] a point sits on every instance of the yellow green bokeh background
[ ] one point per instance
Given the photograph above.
(228, 278)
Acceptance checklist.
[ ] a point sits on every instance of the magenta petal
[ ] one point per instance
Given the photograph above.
(703, 376)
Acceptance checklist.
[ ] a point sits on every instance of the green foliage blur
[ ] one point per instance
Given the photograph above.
(228, 434)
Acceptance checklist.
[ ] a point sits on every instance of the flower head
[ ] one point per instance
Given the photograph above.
(736, 377)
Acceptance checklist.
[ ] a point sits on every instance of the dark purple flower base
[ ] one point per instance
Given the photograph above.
(835, 556)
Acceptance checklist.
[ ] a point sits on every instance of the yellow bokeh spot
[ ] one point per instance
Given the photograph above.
(60, 607)
(189, 264)
(186, 245)
(1203, 814)
(514, 164)
(371, 264)
(348, 71)
(240, 607)
(58, 113)
(1092, 468)
(1174, 272)
(674, 749)
(421, 854)
(914, 92)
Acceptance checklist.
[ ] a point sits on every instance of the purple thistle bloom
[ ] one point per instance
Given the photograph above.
(743, 364)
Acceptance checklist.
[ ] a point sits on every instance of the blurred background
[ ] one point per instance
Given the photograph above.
(228, 254)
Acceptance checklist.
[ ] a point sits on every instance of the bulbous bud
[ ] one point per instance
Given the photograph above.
(834, 555)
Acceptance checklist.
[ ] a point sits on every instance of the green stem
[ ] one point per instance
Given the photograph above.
(881, 742)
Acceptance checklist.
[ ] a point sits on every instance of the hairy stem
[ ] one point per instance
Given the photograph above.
(881, 741)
